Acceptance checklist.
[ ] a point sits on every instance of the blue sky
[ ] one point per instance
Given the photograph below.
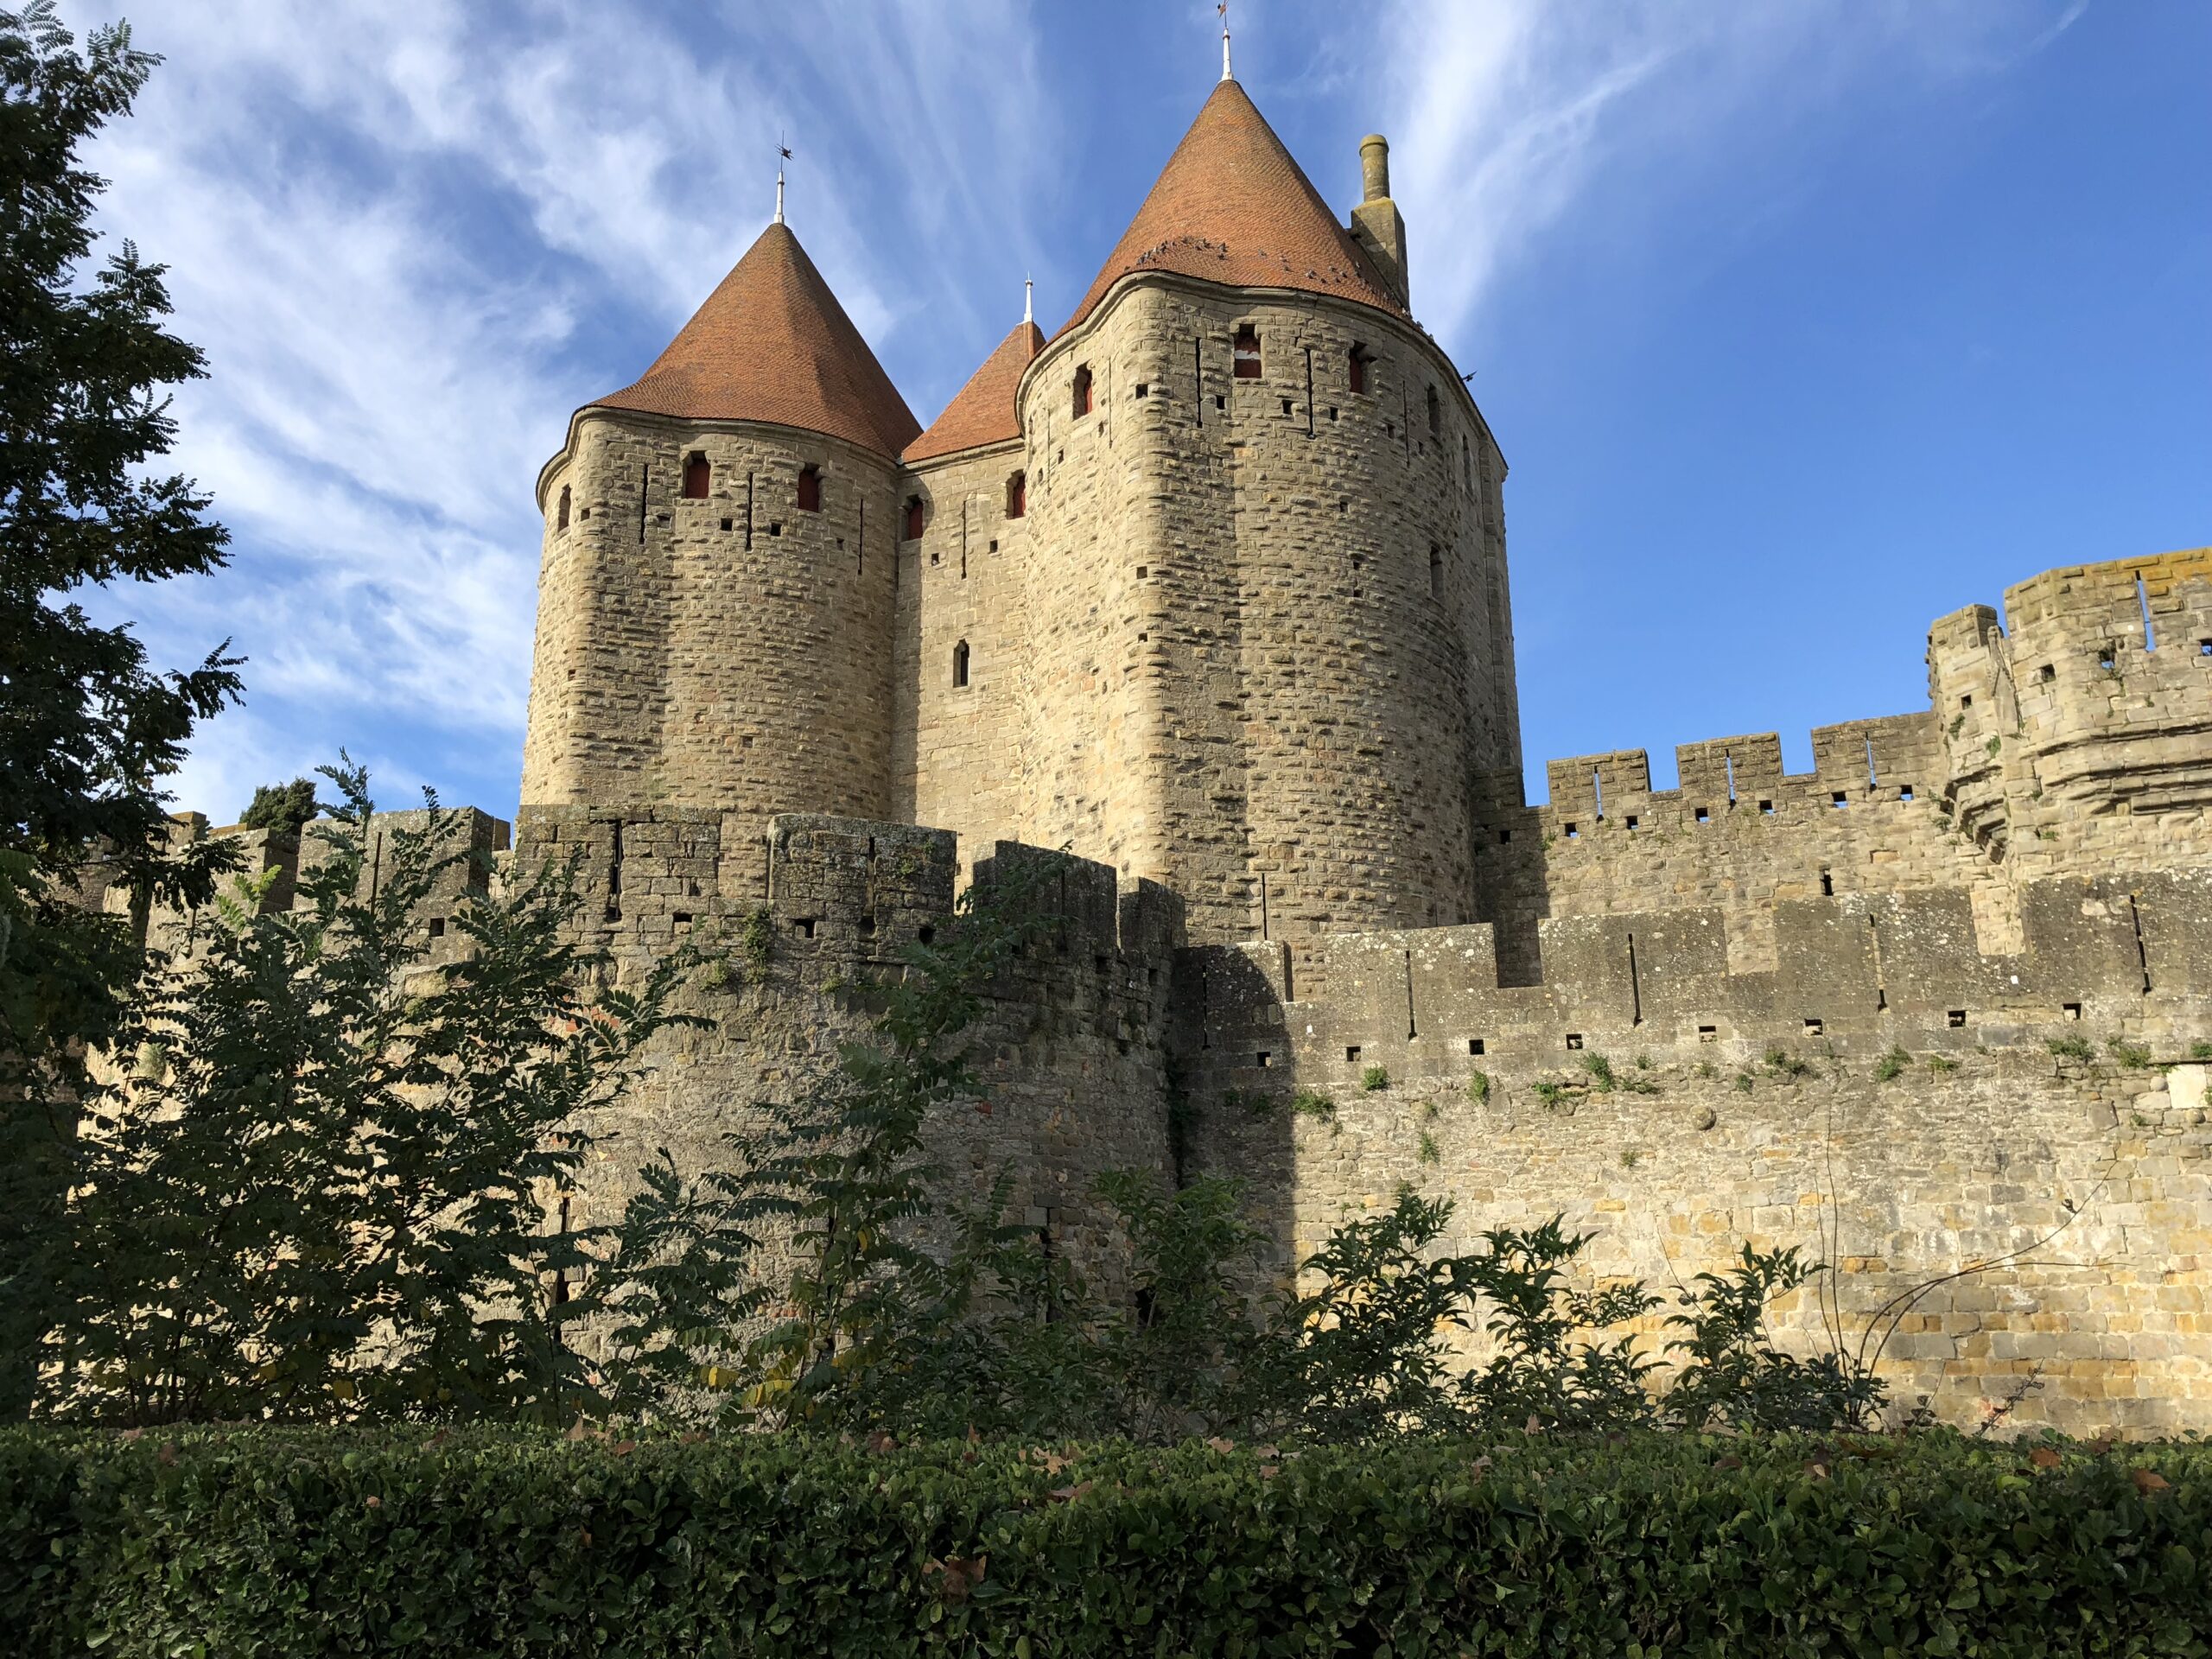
(1801, 322)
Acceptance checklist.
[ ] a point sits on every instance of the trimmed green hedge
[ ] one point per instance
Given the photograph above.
(272, 1542)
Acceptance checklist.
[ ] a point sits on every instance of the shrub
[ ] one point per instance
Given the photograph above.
(1784, 1064)
(1550, 1095)
(1311, 1103)
(1429, 1153)
(2129, 1054)
(1478, 1087)
(1891, 1064)
(1942, 1065)
(1375, 1078)
(1601, 1072)
(282, 807)
(2200, 1051)
(275, 1541)
(1744, 1082)
(2071, 1048)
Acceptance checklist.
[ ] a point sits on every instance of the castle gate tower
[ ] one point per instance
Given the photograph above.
(714, 597)
(1270, 640)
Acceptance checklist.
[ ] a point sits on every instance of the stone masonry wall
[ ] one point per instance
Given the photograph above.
(731, 653)
(1269, 631)
(960, 752)
(1071, 1050)
(1755, 1106)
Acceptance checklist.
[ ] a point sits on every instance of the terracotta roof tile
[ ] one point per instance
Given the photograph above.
(983, 411)
(772, 344)
(1232, 207)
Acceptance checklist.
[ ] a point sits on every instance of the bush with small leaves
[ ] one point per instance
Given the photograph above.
(1601, 1073)
(2071, 1048)
(1428, 1153)
(1375, 1078)
(1784, 1064)
(1478, 1087)
(2133, 1055)
(1891, 1064)
(1311, 1103)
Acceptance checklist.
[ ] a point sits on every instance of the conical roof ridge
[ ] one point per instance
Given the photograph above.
(772, 344)
(983, 410)
(1232, 205)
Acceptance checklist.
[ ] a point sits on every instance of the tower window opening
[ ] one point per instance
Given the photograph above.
(1435, 414)
(960, 664)
(1017, 498)
(1144, 389)
(1245, 353)
(698, 476)
(1359, 360)
(2047, 673)
(1905, 791)
(810, 489)
(1704, 816)
(561, 518)
(1435, 571)
(1082, 390)
(2204, 647)
(913, 532)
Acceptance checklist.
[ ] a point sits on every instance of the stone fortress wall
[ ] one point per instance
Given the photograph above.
(1246, 651)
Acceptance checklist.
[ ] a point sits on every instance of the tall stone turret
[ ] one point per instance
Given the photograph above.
(714, 597)
(1269, 635)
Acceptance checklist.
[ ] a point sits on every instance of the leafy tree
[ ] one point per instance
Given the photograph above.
(319, 1189)
(1547, 1366)
(1732, 1374)
(88, 729)
(840, 1180)
(283, 806)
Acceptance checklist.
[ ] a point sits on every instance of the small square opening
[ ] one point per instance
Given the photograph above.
(1572, 834)
(1504, 837)
(1474, 1044)
(1574, 1039)
(729, 524)
(1631, 820)
(1956, 1019)
(682, 918)
(1905, 791)
(2105, 660)
(1767, 807)
(867, 925)
(2047, 673)
(1143, 570)
(1966, 702)
(1351, 1053)
(1219, 401)
(1813, 1027)
(1841, 798)
(805, 926)
(437, 927)
(1703, 816)
(1263, 1057)
(775, 528)
(1143, 390)
(2204, 646)
(1708, 1034)
(2069, 1010)
(926, 934)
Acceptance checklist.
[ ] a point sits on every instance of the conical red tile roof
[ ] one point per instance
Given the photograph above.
(983, 411)
(1232, 207)
(772, 344)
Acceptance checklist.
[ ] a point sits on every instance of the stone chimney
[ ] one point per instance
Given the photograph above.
(1375, 222)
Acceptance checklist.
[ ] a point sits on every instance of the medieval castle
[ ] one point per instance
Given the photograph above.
(1210, 587)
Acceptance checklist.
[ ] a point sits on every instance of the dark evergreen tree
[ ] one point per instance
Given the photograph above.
(88, 727)
(283, 806)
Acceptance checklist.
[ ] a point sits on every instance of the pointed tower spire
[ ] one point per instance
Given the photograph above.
(1223, 10)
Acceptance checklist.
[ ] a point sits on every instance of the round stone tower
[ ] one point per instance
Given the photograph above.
(714, 597)
(1271, 638)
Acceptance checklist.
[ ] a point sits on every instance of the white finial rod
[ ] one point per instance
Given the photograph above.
(1223, 10)
(1028, 300)
(779, 195)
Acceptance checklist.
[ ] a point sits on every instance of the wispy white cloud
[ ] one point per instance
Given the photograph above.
(1511, 113)
(409, 242)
